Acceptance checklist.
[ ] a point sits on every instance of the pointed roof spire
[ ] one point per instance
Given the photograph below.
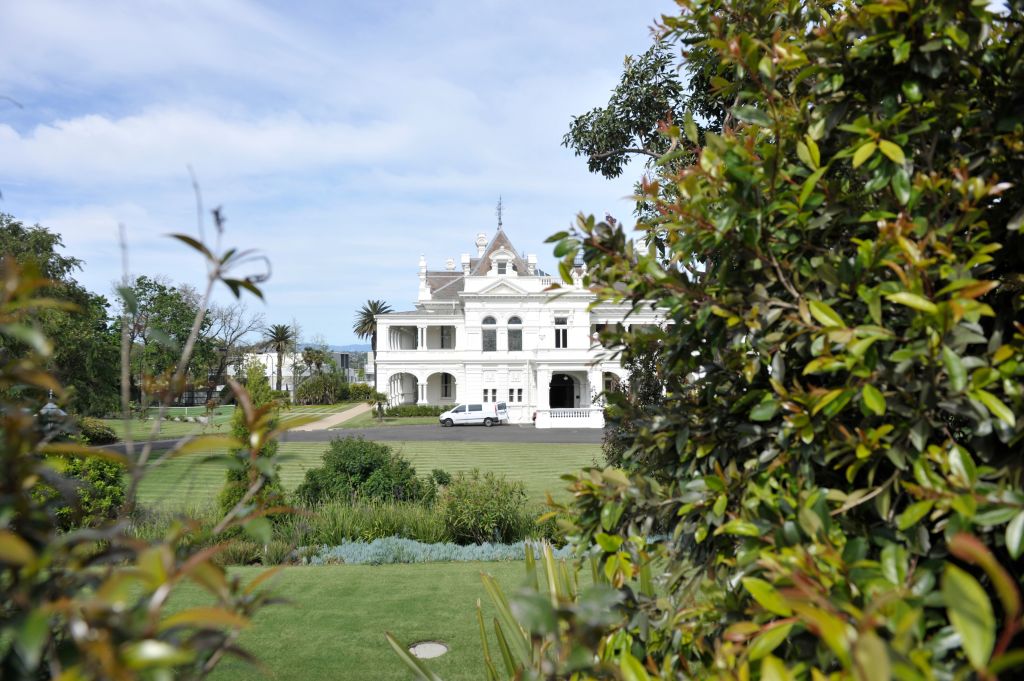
(499, 211)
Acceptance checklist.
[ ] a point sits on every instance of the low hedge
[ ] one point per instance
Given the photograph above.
(404, 410)
(96, 432)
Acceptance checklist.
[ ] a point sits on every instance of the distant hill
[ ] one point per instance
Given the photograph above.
(357, 347)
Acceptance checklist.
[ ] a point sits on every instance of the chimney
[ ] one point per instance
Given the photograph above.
(464, 258)
(531, 264)
(449, 264)
(481, 244)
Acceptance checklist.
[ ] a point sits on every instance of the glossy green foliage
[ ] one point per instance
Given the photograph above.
(836, 466)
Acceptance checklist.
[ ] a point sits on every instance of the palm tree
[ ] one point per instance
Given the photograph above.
(280, 338)
(366, 327)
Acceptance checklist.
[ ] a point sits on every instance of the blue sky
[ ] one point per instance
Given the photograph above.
(344, 139)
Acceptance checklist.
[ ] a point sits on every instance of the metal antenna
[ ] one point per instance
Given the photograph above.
(499, 211)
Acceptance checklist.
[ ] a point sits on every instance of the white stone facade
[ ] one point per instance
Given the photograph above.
(490, 330)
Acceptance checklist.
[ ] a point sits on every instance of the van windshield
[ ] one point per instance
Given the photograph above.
(459, 410)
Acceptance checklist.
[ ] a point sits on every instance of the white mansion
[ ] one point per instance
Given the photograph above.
(489, 330)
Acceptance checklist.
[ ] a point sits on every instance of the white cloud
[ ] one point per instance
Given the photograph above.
(94, 149)
(342, 138)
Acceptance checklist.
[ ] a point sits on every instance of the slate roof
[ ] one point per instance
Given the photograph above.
(445, 285)
(482, 265)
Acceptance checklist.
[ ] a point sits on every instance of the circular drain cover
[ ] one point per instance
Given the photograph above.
(428, 649)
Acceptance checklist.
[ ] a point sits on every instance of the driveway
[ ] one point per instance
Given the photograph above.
(432, 433)
(435, 433)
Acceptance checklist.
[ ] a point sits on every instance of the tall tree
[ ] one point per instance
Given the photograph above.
(85, 354)
(366, 327)
(280, 338)
(230, 325)
(159, 321)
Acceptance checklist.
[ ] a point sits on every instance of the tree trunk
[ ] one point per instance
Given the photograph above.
(280, 358)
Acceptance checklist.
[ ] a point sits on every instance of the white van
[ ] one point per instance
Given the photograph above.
(487, 413)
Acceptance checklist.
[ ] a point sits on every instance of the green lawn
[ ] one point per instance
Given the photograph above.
(220, 422)
(368, 420)
(333, 627)
(188, 481)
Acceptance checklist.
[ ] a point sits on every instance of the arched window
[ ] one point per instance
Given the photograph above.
(490, 335)
(515, 333)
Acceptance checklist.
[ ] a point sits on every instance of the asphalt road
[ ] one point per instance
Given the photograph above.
(436, 433)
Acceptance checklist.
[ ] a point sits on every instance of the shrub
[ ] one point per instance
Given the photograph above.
(484, 507)
(360, 391)
(406, 410)
(839, 451)
(357, 468)
(238, 478)
(441, 477)
(282, 397)
(329, 388)
(96, 432)
(99, 491)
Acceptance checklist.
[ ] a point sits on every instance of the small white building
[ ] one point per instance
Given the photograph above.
(488, 329)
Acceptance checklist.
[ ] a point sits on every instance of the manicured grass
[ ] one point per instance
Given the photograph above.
(368, 420)
(219, 423)
(189, 480)
(333, 627)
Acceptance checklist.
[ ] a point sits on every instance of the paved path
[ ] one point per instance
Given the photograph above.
(333, 419)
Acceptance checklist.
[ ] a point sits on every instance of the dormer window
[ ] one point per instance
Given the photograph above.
(503, 263)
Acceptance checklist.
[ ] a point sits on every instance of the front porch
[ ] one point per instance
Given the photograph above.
(583, 417)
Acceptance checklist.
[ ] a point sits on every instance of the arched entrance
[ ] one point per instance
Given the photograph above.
(441, 388)
(562, 393)
(403, 389)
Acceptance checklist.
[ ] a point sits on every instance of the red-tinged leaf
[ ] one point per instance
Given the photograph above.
(970, 549)
(970, 613)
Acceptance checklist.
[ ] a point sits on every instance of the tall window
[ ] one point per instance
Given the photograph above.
(490, 394)
(515, 333)
(561, 332)
(446, 385)
(490, 335)
(502, 267)
(515, 394)
(447, 340)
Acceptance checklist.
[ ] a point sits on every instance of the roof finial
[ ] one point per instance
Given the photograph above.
(499, 211)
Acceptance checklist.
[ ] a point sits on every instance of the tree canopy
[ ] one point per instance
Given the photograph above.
(85, 350)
